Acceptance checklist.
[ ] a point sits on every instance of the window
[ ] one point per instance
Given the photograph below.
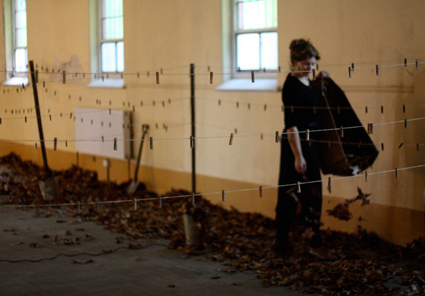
(20, 55)
(15, 33)
(111, 33)
(255, 35)
(15, 37)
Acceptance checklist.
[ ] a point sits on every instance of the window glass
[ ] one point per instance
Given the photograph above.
(21, 5)
(21, 37)
(256, 14)
(112, 34)
(256, 51)
(20, 56)
(20, 59)
(113, 20)
(255, 35)
(112, 28)
(269, 51)
(120, 56)
(248, 51)
(21, 19)
(108, 57)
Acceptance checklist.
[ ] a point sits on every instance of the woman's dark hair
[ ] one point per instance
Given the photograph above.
(302, 49)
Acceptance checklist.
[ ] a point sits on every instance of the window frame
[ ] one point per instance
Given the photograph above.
(14, 47)
(101, 40)
(236, 73)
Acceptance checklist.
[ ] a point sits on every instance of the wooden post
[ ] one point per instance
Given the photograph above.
(193, 133)
(38, 113)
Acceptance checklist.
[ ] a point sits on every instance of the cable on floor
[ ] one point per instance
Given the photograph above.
(104, 252)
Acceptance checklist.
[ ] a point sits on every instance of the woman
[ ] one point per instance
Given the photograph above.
(299, 158)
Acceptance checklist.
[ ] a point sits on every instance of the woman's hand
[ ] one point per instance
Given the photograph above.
(295, 143)
(324, 74)
(300, 165)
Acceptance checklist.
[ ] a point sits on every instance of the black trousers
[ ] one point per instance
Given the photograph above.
(310, 197)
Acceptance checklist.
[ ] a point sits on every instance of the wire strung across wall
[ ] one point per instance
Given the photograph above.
(169, 101)
(126, 104)
(223, 192)
(277, 135)
(130, 106)
(332, 67)
(266, 107)
(249, 105)
(405, 64)
(111, 137)
(366, 108)
(351, 69)
(327, 142)
(164, 103)
(70, 114)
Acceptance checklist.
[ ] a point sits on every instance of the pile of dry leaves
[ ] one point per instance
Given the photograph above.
(367, 265)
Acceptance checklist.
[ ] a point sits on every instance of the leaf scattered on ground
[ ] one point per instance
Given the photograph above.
(81, 262)
(239, 241)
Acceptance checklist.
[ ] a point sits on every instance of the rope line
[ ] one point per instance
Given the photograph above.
(219, 137)
(104, 252)
(160, 72)
(396, 170)
(249, 105)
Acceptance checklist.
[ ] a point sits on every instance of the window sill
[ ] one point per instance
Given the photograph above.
(107, 83)
(261, 85)
(15, 81)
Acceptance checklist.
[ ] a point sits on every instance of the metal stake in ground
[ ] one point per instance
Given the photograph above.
(133, 185)
(193, 127)
(49, 187)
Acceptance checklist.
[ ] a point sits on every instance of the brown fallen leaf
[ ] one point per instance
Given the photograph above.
(342, 212)
(240, 241)
(78, 261)
(134, 246)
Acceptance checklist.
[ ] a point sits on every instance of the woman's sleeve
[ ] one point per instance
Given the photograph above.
(289, 99)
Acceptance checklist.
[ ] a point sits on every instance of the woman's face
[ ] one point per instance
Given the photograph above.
(304, 67)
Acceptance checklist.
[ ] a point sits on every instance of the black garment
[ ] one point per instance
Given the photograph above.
(298, 95)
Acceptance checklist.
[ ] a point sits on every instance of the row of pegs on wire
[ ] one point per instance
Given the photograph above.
(252, 73)
(168, 102)
(278, 135)
(129, 126)
(297, 186)
(157, 74)
(99, 101)
(192, 142)
(315, 109)
(292, 108)
(163, 103)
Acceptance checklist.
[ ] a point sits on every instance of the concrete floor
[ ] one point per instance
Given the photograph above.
(154, 270)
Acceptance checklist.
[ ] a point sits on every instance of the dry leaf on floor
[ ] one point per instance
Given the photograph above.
(78, 261)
